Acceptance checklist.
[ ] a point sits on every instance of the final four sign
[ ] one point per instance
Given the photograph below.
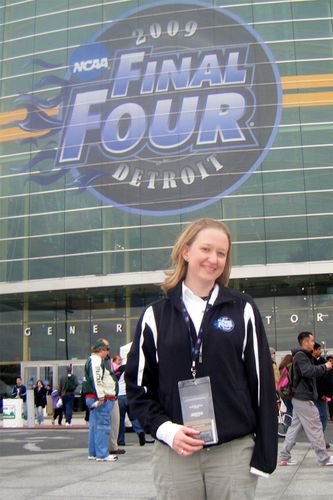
(168, 109)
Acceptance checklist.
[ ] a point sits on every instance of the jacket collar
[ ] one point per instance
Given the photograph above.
(224, 295)
(307, 353)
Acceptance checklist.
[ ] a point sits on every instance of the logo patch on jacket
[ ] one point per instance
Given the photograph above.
(225, 324)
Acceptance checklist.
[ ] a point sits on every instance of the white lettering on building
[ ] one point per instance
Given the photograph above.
(268, 318)
(91, 64)
(294, 318)
(321, 316)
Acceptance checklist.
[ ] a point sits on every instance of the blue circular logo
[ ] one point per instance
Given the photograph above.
(167, 110)
(225, 324)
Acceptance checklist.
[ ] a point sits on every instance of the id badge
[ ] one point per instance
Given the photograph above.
(197, 407)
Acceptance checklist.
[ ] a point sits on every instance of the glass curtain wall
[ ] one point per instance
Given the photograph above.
(63, 325)
(51, 228)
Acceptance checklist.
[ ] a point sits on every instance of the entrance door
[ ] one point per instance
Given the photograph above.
(50, 372)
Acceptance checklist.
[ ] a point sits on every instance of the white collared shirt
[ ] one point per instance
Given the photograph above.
(196, 305)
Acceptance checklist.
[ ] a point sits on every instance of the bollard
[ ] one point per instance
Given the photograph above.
(30, 408)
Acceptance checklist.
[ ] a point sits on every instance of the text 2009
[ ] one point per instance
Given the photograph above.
(173, 28)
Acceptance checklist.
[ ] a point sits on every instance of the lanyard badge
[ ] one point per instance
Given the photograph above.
(195, 394)
(198, 408)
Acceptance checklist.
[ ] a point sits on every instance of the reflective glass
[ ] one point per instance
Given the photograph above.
(53, 225)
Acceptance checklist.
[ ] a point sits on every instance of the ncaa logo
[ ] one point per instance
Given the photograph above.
(225, 324)
(171, 108)
(92, 59)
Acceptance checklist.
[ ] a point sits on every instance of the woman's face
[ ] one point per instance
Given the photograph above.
(206, 256)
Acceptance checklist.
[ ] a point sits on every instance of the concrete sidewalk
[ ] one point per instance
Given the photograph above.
(67, 474)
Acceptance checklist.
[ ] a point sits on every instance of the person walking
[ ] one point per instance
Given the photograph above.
(67, 386)
(200, 357)
(99, 386)
(125, 408)
(57, 405)
(324, 388)
(305, 411)
(40, 400)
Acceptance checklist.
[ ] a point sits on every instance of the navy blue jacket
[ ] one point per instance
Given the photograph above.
(20, 391)
(235, 355)
(304, 375)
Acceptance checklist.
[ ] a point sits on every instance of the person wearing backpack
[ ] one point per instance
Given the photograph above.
(68, 384)
(305, 411)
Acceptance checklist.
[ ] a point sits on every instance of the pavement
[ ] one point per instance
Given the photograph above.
(50, 462)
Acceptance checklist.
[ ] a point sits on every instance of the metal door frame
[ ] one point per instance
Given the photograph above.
(55, 364)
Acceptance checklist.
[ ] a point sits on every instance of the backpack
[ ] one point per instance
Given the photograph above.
(285, 383)
(70, 385)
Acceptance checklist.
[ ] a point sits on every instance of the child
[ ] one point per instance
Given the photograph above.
(57, 406)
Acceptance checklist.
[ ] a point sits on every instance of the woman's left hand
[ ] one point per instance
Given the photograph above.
(186, 443)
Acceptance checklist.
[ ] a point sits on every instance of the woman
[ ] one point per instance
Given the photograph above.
(286, 362)
(40, 400)
(232, 351)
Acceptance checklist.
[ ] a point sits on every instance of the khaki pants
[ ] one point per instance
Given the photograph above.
(217, 473)
(113, 443)
(306, 416)
(49, 405)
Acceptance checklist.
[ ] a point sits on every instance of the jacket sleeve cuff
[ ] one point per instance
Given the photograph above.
(166, 432)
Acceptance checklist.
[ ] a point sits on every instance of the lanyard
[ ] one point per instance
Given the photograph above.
(196, 346)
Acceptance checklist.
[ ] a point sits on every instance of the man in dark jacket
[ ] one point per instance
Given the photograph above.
(305, 411)
(20, 391)
(68, 384)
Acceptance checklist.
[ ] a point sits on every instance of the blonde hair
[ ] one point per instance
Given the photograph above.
(178, 270)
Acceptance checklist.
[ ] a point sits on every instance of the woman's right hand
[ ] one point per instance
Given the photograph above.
(186, 442)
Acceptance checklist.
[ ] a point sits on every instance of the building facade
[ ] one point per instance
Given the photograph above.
(122, 121)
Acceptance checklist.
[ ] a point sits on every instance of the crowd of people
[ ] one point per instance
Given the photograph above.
(61, 398)
(103, 383)
(105, 397)
(199, 380)
(310, 397)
